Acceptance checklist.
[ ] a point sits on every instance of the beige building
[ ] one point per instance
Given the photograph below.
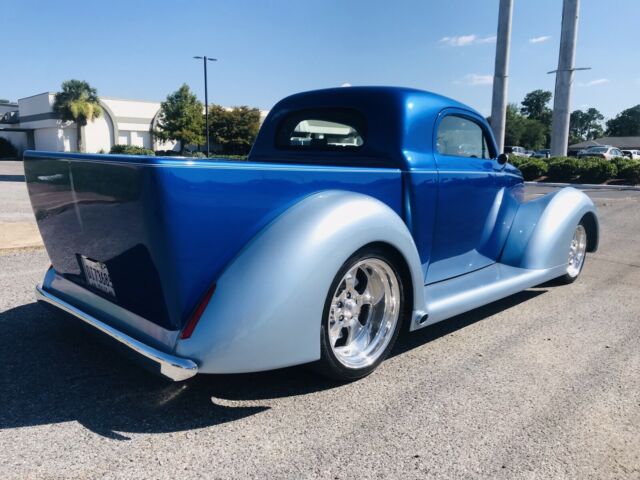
(32, 124)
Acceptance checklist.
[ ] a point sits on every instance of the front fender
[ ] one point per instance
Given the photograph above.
(543, 228)
(268, 303)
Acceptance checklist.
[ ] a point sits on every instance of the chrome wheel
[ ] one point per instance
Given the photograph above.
(364, 312)
(577, 251)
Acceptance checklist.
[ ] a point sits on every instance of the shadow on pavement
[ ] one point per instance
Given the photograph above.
(11, 178)
(52, 371)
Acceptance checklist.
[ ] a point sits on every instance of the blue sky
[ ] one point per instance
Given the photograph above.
(269, 49)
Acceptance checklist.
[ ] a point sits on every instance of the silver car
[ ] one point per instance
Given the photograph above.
(603, 151)
(632, 154)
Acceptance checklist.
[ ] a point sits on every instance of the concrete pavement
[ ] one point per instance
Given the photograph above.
(543, 384)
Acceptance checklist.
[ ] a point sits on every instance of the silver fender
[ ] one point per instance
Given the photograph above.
(543, 228)
(267, 306)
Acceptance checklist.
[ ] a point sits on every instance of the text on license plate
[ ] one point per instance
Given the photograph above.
(97, 275)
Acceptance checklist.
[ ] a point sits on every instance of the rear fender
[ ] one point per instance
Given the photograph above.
(543, 228)
(267, 307)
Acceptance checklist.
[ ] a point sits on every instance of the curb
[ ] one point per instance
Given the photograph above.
(585, 186)
(19, 235)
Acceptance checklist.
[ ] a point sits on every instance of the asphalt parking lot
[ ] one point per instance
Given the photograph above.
(544, 384)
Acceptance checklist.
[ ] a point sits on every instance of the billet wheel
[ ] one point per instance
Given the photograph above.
(577, 255)
(362, 315)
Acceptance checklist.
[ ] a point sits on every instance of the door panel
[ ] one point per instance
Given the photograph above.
(469, 197)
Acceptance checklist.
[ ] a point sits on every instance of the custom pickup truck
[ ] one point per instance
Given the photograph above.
(359, 210)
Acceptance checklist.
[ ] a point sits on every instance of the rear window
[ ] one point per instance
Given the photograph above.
(323, 129)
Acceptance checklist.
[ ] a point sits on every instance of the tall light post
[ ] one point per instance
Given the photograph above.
(564, 78)
(500, 77)
(206, 59)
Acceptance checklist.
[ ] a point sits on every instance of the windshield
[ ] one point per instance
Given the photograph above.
(597, 149)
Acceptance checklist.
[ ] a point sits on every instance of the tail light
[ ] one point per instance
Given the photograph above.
(197, 313)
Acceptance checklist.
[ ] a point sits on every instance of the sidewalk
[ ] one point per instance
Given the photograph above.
(17, 225)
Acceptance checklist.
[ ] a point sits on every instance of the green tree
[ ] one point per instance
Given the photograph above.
(625, 124)
(181, 118)
(534, 134)
(234, 129)
(514, 125)
(4, 100)
(77, 102)
(585, 125)
(534, 106)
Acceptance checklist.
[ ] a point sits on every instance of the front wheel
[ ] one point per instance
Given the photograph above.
(577, 255)
(362, 315)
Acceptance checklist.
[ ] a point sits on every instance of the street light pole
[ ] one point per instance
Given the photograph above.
(500, 77)
(564, 79)
(206, 59)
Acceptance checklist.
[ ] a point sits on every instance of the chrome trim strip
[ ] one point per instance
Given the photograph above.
(172, 367)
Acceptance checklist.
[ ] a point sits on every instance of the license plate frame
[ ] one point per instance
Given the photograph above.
(97, 276)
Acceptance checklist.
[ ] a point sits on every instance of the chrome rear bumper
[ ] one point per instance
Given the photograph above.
(170, 366)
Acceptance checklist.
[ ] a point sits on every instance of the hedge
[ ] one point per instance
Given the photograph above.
(597, 170)
(131, 150)
(563, 169)
(533, 168)
(630, 171)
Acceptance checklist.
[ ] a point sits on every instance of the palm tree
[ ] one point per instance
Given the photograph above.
(77, 102)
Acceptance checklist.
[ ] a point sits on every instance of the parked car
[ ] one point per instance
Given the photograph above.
(606, 152)
(544, 153)
(520, 151)
(632, 154)
(309, 252)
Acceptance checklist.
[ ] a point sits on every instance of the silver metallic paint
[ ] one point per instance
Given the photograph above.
(543, 229)
(268, 304)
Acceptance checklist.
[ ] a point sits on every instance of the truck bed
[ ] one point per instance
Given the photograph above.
(166, 227)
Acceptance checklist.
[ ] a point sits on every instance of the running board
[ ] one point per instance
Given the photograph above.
(460, 294)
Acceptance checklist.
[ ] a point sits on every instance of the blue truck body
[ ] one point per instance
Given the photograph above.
(169, 229)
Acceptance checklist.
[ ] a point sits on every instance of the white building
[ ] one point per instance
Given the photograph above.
(34, 125)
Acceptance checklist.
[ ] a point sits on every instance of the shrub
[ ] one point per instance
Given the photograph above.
(631, 171)
(7, 150)
(597, 170)
(620, 162)
(533, 168)
(167, 153)
(229, 157)
(131, 150)
(517, 160)
(563, 169)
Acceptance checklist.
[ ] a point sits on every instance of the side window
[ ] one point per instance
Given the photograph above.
(461, 137)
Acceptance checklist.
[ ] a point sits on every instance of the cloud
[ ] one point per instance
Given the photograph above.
(593, 83)
(474, 79)
(541, 39)
(466, 40)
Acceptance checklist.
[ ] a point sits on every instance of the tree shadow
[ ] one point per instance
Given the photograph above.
(52, 371)
(11, 178)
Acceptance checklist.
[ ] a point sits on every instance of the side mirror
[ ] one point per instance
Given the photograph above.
(503, 158)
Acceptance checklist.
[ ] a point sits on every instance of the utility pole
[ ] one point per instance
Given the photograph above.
(206, 59)
(500, 76)
(564, 79)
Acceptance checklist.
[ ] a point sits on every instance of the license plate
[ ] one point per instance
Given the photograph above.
(97, 275)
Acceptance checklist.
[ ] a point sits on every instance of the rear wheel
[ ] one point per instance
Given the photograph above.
(577, 255)
(362, 315)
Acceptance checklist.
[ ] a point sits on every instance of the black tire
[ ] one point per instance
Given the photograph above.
(329, 365)
(568, 279)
